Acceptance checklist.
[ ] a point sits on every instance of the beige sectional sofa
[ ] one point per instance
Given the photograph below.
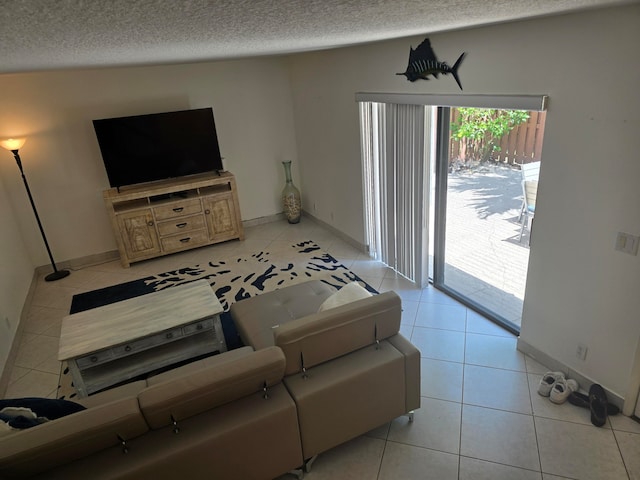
(347, 368)
(207, 419)
(297, 389)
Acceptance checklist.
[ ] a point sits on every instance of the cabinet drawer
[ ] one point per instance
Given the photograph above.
(180, 225)
(166, 337)
(137, 346)
(94, 359)
(178, 209)
(198, 327)
(191, 239)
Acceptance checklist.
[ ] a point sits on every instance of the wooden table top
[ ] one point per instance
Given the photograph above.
(121, 322)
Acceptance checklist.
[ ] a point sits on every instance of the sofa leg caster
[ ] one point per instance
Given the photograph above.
(309, 462)
(410, 415)
(298, 472)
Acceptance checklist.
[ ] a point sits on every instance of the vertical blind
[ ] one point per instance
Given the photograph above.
(396, 149)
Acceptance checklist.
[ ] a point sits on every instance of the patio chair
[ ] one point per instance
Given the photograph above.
(529, 194)
(530, 172)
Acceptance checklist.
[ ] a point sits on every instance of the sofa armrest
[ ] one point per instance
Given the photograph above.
(348, 396)
(69, 438)
(323, 336)
(198, 390)
(412, 370)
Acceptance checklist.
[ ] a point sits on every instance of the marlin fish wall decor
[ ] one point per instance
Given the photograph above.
(423, 62)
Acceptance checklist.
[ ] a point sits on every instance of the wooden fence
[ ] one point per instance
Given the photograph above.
(522, 145)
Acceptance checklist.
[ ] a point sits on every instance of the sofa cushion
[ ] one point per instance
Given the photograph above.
(349, 293)
(323, 336)
(190, 391)
(257, 316)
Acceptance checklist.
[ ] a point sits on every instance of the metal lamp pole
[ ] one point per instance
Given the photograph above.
(57, 274)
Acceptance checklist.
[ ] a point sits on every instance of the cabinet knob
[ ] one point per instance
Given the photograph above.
(150, 223)
(169, 335)
(94, 359)
(178, 209)
(199, 327)
(207, 211)
(127, 348)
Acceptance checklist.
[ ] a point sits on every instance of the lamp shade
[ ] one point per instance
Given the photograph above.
(13, 143)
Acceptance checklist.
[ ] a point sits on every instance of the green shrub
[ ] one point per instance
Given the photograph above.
(483, 128)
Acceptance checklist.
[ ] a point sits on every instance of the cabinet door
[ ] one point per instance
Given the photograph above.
(138, 233)
(221, 217)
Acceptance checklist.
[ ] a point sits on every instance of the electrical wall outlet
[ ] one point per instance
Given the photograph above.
(627, 243)
(581, 352)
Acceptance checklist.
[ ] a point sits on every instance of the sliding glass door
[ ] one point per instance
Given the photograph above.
(483, 223)
(471, 175)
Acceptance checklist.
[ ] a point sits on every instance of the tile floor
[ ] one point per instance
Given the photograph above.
(481, 416)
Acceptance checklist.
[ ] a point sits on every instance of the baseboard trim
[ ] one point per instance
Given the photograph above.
(557, 366)
(262, 220)
(80, 262)
(343, 236)
(281, 216)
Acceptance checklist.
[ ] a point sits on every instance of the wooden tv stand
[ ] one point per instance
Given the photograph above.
(174, 215)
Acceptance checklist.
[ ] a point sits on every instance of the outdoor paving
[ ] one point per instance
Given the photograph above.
(485, 260)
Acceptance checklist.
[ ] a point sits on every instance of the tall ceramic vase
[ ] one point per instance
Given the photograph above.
(291, 197)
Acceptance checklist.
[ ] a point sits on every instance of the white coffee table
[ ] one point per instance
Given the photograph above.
(117, 342)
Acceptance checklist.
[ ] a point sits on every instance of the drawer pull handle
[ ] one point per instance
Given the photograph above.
(94, 359)
(181, 225)
(150, 223)
(185, 240)
(178, 209)
(127, 348)
(169, 335)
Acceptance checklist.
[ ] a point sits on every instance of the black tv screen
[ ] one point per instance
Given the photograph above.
(145, 148)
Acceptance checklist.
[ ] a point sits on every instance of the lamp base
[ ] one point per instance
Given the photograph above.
(57, 275)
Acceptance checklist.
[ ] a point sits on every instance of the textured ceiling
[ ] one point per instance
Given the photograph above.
(55, 34)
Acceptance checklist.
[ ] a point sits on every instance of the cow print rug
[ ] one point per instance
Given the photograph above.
(232, 279)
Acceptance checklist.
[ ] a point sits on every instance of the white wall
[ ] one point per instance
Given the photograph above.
(579, 289)
(16, 269)
(252, 108)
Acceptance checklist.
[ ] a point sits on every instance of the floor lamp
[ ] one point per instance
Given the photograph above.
(14, 145)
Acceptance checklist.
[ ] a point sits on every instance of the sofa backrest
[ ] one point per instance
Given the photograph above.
(189, 391)
(72, 437)
(323, 336)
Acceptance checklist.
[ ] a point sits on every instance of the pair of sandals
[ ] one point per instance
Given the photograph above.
(596, 402)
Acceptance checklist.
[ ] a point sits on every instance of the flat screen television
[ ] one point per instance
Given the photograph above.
(145, 148)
